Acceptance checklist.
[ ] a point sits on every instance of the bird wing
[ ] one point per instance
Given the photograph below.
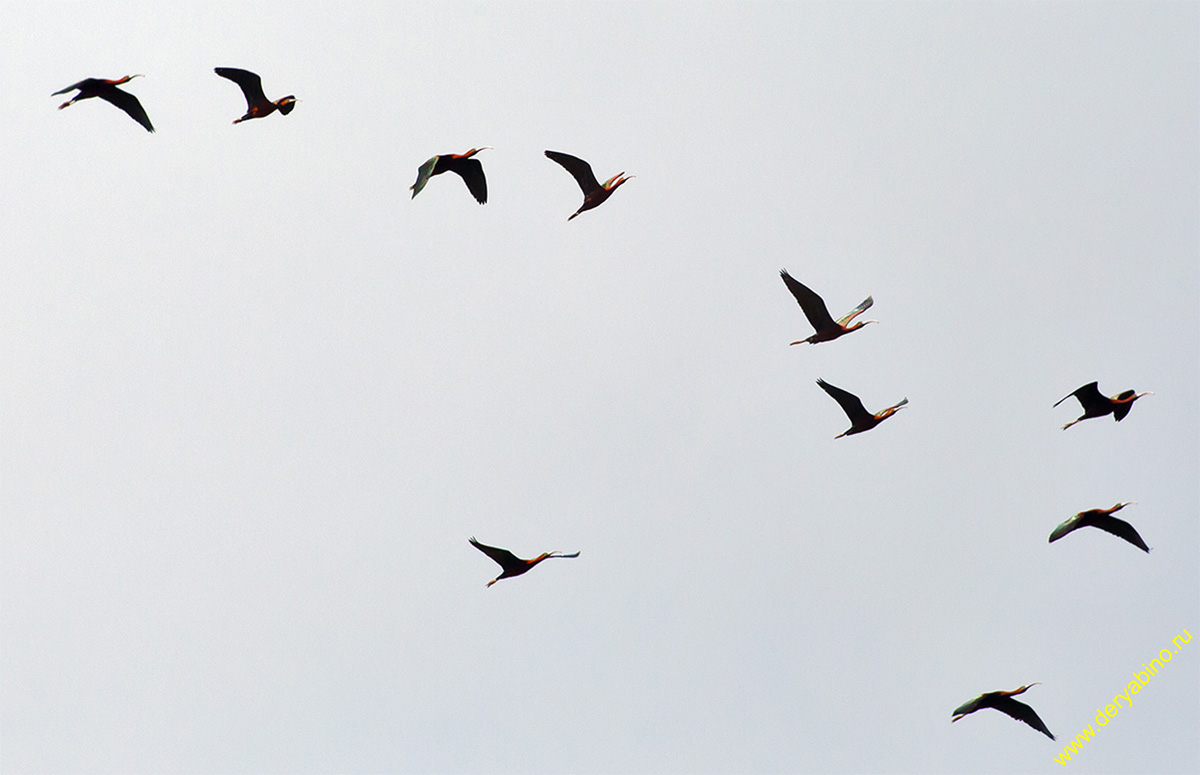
(851, 404)
(579, 169)
(1120, 528)
(812, 304)
(1066, 527)
(1021, 712)
(1122, 405)
(505, 558)
(852, 314)
(72, 87)
(970, 706)
(128, 103)
(1088, 395)
(471, 171)
(250, 82)
(424, 172)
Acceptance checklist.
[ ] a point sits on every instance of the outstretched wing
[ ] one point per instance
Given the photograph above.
(1088, 395)
(1066, 527)
(72, 87)
(424, 172)
(579, 169)
(128, 103)
(1121, 529)
(505, 558)
(471, 171)
(812, 304)
(1123, 404)
(970, 706)
(250, 82)
(1022, 712)
(851, 404)
(852, 314)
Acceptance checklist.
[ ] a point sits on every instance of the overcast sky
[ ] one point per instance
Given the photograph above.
(255, 398)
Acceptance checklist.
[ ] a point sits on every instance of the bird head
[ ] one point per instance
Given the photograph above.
(474, 151)
(129, 78)
(860, 324)
(286, 104)
(1120, 506)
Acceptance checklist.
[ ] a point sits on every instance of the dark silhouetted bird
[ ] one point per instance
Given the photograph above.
(1004, 702)
(860, 419)
(594, 192)
(818, 315)
(257, 104)
(512, 564)
(1097, 405)
(470, 170)
(1103, 519)
(107, 90)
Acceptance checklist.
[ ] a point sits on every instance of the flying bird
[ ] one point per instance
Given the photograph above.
(1097, 405)
(1004, 702)
(594, 192)
(1103, 519)
(257, 104)
(107, 90)
(818, 315)
(512, 564)
(860, 419)
(470, 170)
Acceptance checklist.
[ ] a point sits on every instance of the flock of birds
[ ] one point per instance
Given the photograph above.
(1095, 404)
(258, 106)
(826, 329)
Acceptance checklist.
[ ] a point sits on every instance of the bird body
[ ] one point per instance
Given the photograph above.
(594, 192)
(257, 104)
(860, 419)
(107, 90)
(470, 170)
(1097, 405)
(1103, 519)
(818, 315)
(512, 564)
(1004, 702)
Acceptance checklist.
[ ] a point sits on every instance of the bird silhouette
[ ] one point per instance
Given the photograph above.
(1097, 405)
(594, 192)
(860, 419)
(107, 90)
(512, 564)
(257, 104)
(818, 315)
(1004, 702)
(470, 170)
(1103, 519)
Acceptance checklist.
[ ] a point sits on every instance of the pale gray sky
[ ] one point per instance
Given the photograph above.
(256, 399)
